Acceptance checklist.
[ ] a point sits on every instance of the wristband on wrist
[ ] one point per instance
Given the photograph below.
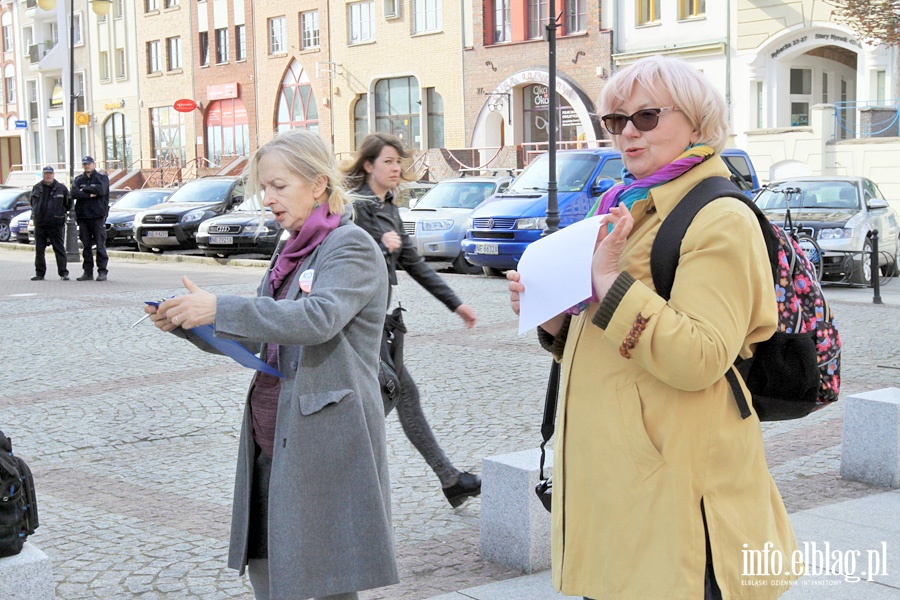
(631, 339)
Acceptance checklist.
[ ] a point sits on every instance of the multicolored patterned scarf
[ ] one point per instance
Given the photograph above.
(632, 190)
(301, 243)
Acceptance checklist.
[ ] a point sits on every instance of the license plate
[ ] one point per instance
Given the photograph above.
(486, 249)
(157, 234)
(221, 239)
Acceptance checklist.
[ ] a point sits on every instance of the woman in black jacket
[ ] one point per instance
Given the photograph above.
(374, 174)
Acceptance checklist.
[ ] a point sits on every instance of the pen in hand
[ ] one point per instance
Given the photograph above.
(147, 316)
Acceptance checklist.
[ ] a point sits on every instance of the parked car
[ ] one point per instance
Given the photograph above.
(13, 202)
(18, 227)
(410, 192)
(173, 224)
(246, 230)
(837, 213)
(437, 222)
(120, 220)
(502, 227)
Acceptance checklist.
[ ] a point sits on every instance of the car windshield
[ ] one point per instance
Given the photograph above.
(572, 173)
(8, 198)
(200, 191)
(141, 199)
(457, 194)
(250, 205)
(809, 194)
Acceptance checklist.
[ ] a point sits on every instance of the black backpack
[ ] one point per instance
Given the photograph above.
(18, 505)
(797, 370)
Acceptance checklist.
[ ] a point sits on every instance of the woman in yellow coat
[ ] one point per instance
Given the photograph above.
(661, 490)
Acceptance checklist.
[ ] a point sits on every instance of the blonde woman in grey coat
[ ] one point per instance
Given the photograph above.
(311, 516)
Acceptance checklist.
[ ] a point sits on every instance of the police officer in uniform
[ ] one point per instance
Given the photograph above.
(91, 190)
(49, 204)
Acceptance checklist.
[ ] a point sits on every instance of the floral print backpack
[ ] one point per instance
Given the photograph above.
(797, 370)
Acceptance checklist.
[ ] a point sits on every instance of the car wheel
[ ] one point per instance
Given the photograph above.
(892, 269)
(492, 272)
(461, 265)
(4, 231)
(862, 267)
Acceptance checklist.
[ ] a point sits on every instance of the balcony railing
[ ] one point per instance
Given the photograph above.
(30, 3)
(36, 52)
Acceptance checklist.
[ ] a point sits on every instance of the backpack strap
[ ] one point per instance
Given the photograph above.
(666, 250)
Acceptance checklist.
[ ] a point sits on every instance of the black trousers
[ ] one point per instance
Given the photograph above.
(92, 232)
(55, 234)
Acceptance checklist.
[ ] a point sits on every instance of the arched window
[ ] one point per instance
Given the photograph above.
(227, 130)
(296, 102)
(361, 118)
(397, 109)
(117, 141)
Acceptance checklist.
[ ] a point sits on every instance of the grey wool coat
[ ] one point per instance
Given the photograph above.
(329, 495)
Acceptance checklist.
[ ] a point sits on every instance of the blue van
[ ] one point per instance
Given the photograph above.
(500, 229)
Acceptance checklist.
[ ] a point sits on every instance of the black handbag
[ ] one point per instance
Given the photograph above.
(390, 361)
(544, 488)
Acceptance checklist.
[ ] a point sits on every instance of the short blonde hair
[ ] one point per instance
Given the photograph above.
(306, 155)
(691, 91)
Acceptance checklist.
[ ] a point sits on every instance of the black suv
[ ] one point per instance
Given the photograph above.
(173, 224)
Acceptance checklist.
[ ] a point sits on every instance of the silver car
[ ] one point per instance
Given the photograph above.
(833, 217)
(437, 222)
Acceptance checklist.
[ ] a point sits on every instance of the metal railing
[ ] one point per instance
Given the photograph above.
(532, 150)
(866, 119)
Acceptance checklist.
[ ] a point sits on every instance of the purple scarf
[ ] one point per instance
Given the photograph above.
(301, 243)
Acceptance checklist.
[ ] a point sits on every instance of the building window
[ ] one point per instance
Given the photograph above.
(536, 116)
(880, 80)
(361, 16)
(222, 51)
(537, 18)
(435, 118)
(502, 21)
(759, 104)
(77, 38)
(167, 133)
(171, 3)
(79, 92)
(240, 42)
(227, 130)
(9, 84)
(825, 88)
(8, 37)
(151, 5)
(309, 29)
(104, 66)
(691, 8)
(117, 140)
(204, 48)
(31, 91)
(173, 53)
(153, 56)
(576, 16)
(120, 63)
(397, 109)
(296, 102)
(801, 92)
(648, 11)
(360, 119)
(426, 15)
(119, 10)
(277, 27)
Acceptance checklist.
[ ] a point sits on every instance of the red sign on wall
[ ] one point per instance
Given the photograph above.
(184, 105)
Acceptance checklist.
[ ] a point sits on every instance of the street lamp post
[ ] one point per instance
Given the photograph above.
(100, 8)
(552, 203)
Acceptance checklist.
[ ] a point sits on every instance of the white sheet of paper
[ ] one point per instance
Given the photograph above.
(556, 272)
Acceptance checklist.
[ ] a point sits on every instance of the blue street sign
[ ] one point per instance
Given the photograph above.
(21, 124)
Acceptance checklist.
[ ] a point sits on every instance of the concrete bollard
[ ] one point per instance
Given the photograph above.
(27, 576)
(515, 527)
(870, 451)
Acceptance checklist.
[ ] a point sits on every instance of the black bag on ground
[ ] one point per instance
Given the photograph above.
(390, 365)
(18, 505)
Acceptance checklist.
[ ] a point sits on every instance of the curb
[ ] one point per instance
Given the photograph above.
(155, 257)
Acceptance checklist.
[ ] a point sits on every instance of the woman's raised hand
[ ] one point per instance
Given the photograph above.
(515, 288)
(610, 244)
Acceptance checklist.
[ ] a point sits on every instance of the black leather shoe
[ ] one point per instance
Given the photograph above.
(37, 278)
(469, 485)
(64, 277)
(101, 276)
(85, 277)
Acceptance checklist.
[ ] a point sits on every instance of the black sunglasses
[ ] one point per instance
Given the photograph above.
(645, 119)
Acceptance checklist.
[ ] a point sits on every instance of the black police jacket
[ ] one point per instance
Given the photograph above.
(88, 207)
(377, 219)
(49, 203)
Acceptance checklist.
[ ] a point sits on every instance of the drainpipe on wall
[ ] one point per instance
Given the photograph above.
(331, 76)
(255, 73)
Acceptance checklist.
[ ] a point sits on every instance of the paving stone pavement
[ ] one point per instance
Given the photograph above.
(132, 434)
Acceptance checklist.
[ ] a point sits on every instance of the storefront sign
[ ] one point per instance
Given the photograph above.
(184, 105)
(222, 91)
(54, 121)
(114, 105)
(21, 124)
